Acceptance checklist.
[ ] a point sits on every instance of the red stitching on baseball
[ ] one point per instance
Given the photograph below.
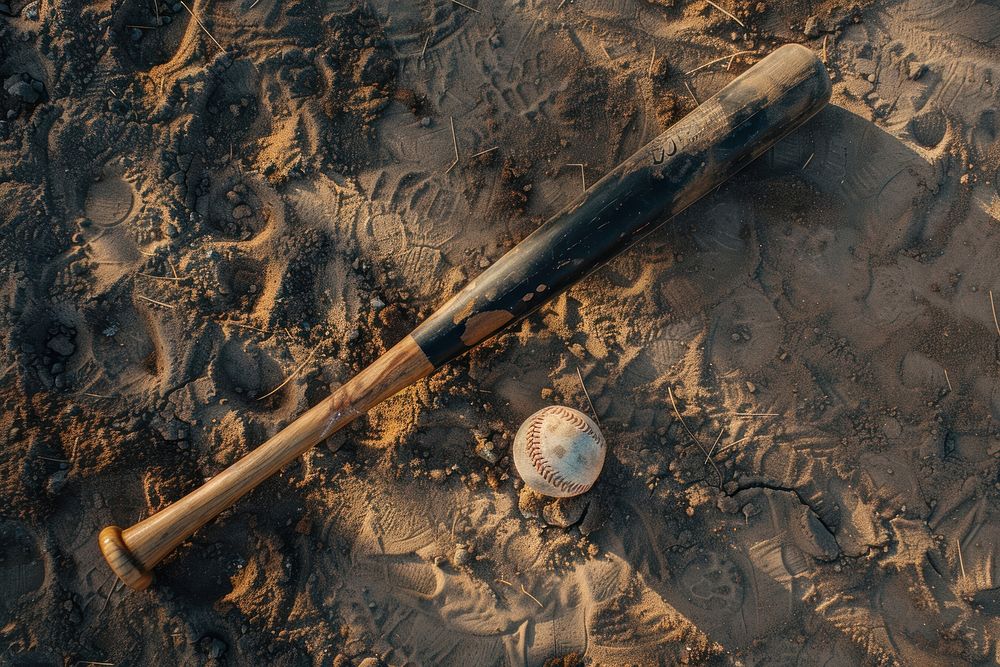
(533, 447)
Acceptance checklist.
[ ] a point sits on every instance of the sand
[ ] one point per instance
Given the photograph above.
(190, 222)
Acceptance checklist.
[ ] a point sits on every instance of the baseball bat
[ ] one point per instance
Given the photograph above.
(720, 137)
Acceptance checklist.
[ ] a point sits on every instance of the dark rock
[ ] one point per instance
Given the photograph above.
(217, 649)
(57, 481)
(62, 345)
(462, 555)
(813, 27)
(727, 504)
(485, 448)
(529, 503)
(594, 519)
(565, 512)
(17, 86)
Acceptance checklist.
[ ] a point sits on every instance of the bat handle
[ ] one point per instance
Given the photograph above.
(133, 552)
(121, 560)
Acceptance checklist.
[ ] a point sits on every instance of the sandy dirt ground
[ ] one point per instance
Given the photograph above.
(206, 223)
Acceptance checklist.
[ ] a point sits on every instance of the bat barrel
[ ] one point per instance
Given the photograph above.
(723, 135)
(708, 146)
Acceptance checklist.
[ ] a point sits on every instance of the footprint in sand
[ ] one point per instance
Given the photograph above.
(247, 375)
(712, 581)
(22, 570)
(241, 281)
(150, 34)
(109, 203)
(234, 207)
(411, 24)
(123, 345)
(233, 105)
(109, 200)
(432, 614)
(748, 332)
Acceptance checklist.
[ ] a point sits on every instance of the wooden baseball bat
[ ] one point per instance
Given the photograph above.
(720, 137)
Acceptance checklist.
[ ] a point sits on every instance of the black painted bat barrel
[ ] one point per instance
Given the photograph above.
(723, 135)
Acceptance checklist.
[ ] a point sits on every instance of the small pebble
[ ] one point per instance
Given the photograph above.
(462, 555)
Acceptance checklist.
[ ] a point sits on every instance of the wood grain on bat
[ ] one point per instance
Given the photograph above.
(132, 552)
(694, 156)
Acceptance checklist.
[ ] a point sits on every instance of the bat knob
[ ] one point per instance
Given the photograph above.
(121, 560)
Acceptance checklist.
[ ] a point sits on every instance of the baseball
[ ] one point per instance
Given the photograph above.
(559, 451)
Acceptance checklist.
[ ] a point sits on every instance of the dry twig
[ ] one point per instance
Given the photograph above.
(49, 458)
(726, 13)
(714, 445)
(114, 587)
(158, 303)
(454, 141)
(691, 93)
(994, 307)
(525, 591)
(673, 402)
(730, 58)
(462, 4)
(961, 561)
(150, 275)
(488, 150)
(202, 26)
(247, 326)
(294, 373)
(587, 394)
(734, 443)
